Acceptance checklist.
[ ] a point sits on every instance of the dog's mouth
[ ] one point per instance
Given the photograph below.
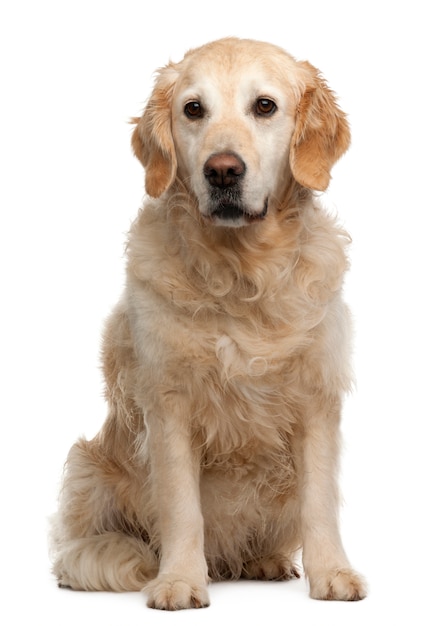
(236, 215)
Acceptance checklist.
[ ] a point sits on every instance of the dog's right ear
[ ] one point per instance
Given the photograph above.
(152, 139)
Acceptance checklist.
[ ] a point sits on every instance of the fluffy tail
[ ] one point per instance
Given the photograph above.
(107, 562)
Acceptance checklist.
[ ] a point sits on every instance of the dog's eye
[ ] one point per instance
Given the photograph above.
(193, 109)
(265, 107)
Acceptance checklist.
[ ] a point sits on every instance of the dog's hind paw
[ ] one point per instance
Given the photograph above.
(276, 567)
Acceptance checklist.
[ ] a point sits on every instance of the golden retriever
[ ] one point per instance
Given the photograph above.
(228, 354)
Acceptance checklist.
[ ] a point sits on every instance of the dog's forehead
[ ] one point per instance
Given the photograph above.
(233, 75)
(242, 65)
(227, 79)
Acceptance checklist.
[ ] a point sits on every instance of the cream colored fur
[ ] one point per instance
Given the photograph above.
(228, 354)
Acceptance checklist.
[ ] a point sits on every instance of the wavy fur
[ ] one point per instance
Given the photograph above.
(227, 356)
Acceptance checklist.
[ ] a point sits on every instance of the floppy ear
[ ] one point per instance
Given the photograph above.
(321, 134)
(152, 140)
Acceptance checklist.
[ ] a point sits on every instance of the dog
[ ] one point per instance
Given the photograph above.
(227, 356)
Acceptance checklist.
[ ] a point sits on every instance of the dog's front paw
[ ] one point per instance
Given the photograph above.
(337, 584)
(170, 592)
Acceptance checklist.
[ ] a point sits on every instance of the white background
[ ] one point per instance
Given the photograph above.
(72, 73)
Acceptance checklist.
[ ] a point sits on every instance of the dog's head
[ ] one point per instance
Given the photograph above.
(236, 121)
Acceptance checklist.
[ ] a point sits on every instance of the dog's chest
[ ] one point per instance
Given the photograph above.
(244, 408)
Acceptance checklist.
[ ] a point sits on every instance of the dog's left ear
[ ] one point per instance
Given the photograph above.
(321, 133)
(152, 139)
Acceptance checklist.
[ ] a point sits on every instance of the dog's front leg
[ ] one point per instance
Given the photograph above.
(324, 559)
(175, 466)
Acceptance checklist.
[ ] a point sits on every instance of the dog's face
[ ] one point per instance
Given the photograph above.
(235, 121)
(232, 125)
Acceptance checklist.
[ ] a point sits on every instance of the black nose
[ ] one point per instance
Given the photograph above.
(223, 170)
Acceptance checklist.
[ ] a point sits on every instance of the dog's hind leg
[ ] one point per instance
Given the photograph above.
(98, 542)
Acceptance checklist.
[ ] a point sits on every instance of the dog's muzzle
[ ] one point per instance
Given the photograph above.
(224, 172)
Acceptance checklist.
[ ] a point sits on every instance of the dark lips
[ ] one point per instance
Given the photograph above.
(233, 212)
